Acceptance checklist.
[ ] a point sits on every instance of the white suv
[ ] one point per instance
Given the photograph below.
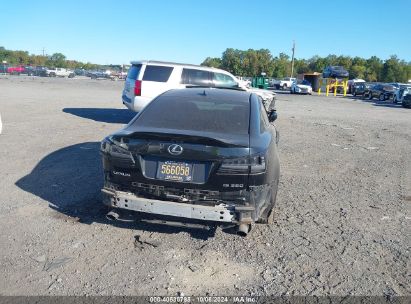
(148, 79)
(59, 72)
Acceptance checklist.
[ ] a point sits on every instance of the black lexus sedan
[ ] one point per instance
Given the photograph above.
(200, 153)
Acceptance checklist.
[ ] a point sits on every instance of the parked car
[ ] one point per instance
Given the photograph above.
(200, 153)
(382, 91)
(399, 93)
(117, 75)
(335, 72)
(29, 70)
(351, 84)
(396, 85)
(16, 70)
(80, 72)
(148, 79)
(13, 70)
(40, 71)
(99, 74)
(301, 87)
(244, 81)
(360, 88)
(406, 101)
(59, 72)
(284, 83)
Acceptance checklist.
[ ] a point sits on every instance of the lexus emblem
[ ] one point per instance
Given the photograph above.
(175, 149)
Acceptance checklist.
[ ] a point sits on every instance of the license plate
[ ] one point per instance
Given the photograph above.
(175, 171)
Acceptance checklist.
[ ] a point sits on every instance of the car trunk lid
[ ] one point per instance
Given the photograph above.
(183, 157)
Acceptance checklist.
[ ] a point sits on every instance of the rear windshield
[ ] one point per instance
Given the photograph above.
(134, 71)
(157, 73)
(220, 116)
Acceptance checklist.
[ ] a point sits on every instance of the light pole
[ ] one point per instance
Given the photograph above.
(292, 60)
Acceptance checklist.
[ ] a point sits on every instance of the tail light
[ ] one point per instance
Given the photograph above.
(117, 149)
(137, 88)
(251, 164)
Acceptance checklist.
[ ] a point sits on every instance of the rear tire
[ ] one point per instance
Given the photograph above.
(285, 86)
(381, 97)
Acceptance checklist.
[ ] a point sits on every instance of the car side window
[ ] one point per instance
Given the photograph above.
(157, 73)
(223, 80)
(195, 77)
(264, 122)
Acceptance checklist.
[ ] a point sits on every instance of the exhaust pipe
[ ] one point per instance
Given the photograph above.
(243, 229)
(112, 216)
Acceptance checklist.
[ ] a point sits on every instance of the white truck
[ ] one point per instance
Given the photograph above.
(59, 72)
(284, 83)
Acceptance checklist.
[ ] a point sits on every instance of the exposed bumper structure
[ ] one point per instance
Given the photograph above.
(219, 213)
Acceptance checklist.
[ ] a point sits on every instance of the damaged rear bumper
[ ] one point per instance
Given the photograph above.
(226, 213)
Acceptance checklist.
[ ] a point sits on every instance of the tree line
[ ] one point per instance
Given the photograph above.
(57, 60)
(253, 62)
(250, 63)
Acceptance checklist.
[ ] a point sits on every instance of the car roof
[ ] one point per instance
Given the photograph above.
(168, 63)
(219, 94)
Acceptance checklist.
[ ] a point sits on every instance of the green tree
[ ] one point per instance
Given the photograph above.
(264, 62)
(301, 66)
(373, 69)
(393, 70)
(57, 60)
(250, 63)
(231, 61)
(317, 63)
(282, 66)
(357, 71)
(212, 62)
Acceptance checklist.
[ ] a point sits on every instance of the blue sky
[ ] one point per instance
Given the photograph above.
(188, 31)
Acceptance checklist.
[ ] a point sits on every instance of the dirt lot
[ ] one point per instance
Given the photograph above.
(342, 221)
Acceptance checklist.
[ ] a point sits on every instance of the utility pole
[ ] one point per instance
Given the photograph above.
(43, 50)
(292, 60)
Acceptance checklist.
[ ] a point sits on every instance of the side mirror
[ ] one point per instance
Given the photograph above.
(272, 115)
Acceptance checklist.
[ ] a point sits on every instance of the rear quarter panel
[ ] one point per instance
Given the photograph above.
(263, 143)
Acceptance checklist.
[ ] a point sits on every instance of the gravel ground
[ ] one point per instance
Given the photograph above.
(341, 224)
